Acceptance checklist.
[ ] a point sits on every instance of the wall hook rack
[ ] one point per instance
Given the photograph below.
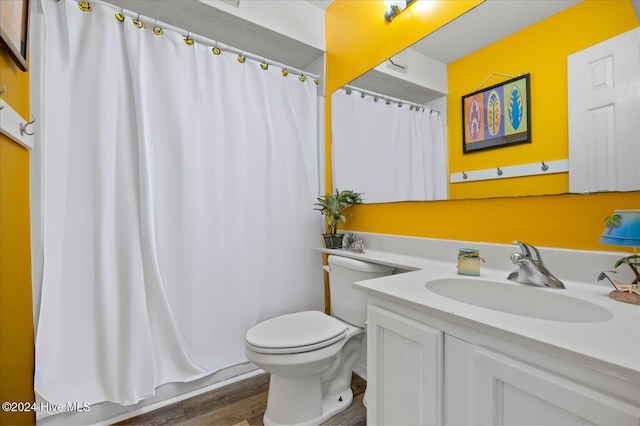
(13, 126)
(505, 172)
(23, 127)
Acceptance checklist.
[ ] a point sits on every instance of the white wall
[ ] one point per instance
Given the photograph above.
(299, 20)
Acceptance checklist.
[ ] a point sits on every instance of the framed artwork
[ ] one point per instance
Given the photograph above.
(497, 116)
(14, 29)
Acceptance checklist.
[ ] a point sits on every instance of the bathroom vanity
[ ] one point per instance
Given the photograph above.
(449, 349)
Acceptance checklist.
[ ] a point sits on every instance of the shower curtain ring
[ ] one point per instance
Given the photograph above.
(85, 6)
(138, 23)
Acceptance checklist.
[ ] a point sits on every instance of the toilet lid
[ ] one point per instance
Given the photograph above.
(295, 333)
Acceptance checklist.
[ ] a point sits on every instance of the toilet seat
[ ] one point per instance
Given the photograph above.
(295, 333)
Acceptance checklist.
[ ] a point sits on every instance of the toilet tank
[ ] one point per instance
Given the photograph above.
(348, 303)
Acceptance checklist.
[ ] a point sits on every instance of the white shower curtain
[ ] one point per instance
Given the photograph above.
(178, 206)
(386, 152)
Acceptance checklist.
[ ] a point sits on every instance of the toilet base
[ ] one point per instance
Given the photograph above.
(331, 405)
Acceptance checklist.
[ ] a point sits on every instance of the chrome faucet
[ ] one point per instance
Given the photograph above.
(531, 270)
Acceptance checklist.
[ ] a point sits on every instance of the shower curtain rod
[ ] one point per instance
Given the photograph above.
(203, 40)
(388, 99)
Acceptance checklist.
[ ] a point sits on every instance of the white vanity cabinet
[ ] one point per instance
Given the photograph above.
(434, 368)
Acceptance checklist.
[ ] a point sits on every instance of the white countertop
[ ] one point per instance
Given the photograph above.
(612, 345)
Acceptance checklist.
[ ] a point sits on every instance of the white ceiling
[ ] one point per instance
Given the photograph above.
(485, 24)
(481, 26)
(215, 24)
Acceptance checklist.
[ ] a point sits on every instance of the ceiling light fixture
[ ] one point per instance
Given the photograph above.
(395, 7)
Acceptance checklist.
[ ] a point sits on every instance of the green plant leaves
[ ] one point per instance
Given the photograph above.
(333, 205)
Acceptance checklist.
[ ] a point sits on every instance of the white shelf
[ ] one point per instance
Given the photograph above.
(532, 169)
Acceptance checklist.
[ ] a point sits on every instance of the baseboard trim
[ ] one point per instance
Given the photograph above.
(108, 413)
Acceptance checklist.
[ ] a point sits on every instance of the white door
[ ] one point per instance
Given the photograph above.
(604, 116)
(404, 370)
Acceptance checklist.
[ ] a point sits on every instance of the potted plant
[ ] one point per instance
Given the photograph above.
(333, 206)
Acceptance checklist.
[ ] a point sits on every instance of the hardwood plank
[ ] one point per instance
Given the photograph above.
(169, 415)
(231, 394)
(240, 404)
(358, 384)
(233, 413)
(257, 420)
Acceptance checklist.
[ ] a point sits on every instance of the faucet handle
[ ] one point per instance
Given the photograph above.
(528, 250)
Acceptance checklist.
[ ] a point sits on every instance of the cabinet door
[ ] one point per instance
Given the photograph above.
(404, 370)
(511, 392)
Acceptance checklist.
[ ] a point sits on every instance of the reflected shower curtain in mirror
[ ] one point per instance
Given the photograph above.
(386, 152)
(178, 207)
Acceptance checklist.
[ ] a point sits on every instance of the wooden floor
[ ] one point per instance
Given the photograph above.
(242, 403)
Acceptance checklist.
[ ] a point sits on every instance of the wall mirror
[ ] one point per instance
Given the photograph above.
(418, 73)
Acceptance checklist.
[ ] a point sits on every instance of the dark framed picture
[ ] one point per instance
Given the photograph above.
(14, 15)
(497, 116)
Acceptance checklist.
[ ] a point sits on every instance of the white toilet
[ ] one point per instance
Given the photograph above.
(310, 355)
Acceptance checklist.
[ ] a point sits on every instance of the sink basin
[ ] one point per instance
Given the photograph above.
(534, 302)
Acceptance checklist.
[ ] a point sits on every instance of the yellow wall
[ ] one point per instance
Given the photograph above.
(358, 38)
(16, 312)
(560, 220)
